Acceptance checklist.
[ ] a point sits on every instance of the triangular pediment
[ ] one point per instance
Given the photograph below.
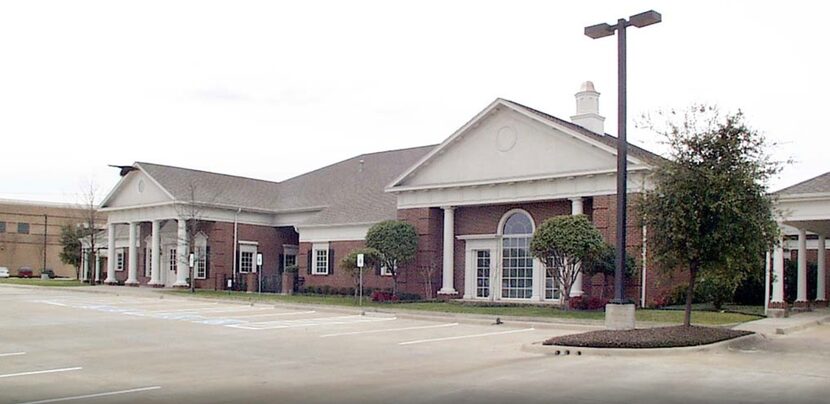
(505, 143)
(136, 188)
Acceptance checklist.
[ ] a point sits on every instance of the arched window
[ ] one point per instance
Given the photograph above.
(518, 223)
(517, 262)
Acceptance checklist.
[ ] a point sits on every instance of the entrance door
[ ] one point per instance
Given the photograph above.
(483, 273)
(169, 264)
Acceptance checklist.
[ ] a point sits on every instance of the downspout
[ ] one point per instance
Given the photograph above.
(643, 277)
(235, 241)
(766, 282)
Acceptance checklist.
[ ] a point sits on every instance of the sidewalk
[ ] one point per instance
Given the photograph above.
(787, 325)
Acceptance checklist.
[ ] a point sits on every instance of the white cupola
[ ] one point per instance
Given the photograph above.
(587, 109)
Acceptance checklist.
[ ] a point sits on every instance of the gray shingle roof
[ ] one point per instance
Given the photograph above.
(213, 188)
(607, 139)
(815, 185)
(346, 192)
(351, 195)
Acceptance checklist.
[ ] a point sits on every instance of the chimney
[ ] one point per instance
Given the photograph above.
(587, 109)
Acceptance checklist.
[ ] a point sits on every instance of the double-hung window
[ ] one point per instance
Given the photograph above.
(247, 258)
(320, 259)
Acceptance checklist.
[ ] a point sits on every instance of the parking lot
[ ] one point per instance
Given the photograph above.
(67, 346)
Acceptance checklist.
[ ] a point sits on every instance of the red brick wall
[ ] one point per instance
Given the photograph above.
(601, 210)
(340, 278)
(220, 241)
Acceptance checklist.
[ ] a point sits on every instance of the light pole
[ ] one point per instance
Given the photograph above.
(599, 31)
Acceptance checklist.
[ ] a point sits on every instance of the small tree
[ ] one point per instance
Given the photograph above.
(427, 272)
(371, 260)
(604, 263)
(71, 237)
(564, 243)
(397, 243)
(709, 211)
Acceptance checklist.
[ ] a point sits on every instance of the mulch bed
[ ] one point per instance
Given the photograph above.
(660, 337)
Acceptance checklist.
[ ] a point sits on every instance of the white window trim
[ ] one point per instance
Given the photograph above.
(385, 271)
(119, 259)
(200, 245)
(316, 248)
(248, 248)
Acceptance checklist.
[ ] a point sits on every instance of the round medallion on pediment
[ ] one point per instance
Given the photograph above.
(506, 138)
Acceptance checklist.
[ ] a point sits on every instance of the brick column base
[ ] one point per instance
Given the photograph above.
(820, 303)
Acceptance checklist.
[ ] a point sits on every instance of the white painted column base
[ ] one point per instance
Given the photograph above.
(802, 267)
(132, 253)
(155, 255)
(448, 267)
(182, 269)
(111, 255)
(821, 272)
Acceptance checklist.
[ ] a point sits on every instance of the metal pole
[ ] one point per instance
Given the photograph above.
(360, 286)
(622, 169)
(45, 230)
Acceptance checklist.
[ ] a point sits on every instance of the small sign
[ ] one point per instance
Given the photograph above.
(191, 259)
(230, 283)
(259, 259)
(360, 260)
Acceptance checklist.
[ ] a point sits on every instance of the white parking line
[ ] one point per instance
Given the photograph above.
(109, 393)
(12, 354)
(37, 372)
(389, 330)
(291, 313)
(421, 341)
(271, 325)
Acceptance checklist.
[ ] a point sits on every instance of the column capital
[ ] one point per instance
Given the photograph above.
(577, 199)
(448, 207)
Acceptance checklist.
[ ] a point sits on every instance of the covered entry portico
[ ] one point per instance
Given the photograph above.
(805, 225)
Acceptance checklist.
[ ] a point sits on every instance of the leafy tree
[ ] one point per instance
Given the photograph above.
(709, 210)
(564, 243)
(71, 242)
(396, 243)
(371, 259)
(604, 263)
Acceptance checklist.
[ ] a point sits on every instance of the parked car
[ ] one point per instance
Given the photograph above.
(4, 272)
(25, 272)
(48, 272)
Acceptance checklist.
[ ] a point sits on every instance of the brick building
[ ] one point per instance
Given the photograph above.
(475, 200)
(27, 227)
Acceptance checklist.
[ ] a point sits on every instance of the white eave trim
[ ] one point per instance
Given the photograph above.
(495, 105)
(815, 196)
(514, 180)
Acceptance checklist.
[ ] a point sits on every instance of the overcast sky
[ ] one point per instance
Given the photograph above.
(274, 89)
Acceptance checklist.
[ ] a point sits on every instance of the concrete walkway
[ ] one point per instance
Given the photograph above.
(787, 325)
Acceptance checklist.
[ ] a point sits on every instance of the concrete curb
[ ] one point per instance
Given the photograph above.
(565, 351)
(803, 326)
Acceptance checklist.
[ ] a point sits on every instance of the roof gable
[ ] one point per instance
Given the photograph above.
(136, 189)
(509, 141)
(816, 185)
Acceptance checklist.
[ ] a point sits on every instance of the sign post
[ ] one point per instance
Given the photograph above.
(259, 272)
(360, 277)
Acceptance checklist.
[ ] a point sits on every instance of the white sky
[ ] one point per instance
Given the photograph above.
(271, 90)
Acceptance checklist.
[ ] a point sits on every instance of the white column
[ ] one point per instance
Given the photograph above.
(155, 257)
(576, 288)
(449, 260)
(97, 277)
(766, 281)
(821, 287)
(110, 254)
(182, 269)
(132, 275)
(84, 264)
(778, 275)
(802, 266)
